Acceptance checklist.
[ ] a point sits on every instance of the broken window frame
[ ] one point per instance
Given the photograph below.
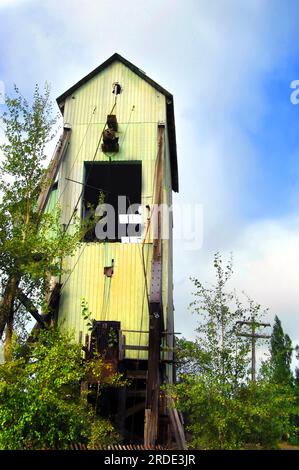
(87, 169)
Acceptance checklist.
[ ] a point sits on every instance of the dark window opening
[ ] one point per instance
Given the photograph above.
(104, 183)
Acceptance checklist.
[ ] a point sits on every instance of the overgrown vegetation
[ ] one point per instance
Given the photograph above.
(224, 408)
(44, 400)
(32, 245)
(41, 405)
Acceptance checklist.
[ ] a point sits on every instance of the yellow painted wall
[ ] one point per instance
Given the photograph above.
(122, 298)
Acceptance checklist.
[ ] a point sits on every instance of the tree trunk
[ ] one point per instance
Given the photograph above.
(7, 313)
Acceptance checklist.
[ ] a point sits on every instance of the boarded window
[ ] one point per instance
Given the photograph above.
(106, 182)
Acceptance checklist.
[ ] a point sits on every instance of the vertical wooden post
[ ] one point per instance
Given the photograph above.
(153, 377)
(254, 337)
(155, 311)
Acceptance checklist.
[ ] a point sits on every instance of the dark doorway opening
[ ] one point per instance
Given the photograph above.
(105, 182)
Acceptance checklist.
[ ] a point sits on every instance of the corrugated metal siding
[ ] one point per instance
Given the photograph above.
(139, 109)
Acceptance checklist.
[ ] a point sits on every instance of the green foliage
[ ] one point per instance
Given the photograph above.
(32, 245)
(86, 314)
(112, 338)
(256, 414)
(224, 409)
(225, 352)
(189, 357)
(40, 402)
(281, 355)
(102, 434)
(100, 371)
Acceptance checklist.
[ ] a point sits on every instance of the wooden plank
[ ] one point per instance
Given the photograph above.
(177, 426)
(53, 170)
(251, 322)
(155, 310)
(249, 335)
(22, 297)
(180, 429)
(136, 348)
(136, 374)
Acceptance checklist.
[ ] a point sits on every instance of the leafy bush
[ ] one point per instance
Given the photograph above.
(102, 434)
(218, 417)
(40, 402)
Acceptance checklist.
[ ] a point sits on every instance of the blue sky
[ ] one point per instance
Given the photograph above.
(229, 65)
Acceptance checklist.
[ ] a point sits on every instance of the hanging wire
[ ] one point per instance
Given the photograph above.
(81, 195)
(89, 170)
(77, 154)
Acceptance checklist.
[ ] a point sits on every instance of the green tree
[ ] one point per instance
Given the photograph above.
(41, 406)
(31, 245)
(218, 310)
(224, 409)
(189, 357)
(254, 415)
(281, 355)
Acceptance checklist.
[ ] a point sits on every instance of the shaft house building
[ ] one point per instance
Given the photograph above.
(119, 148)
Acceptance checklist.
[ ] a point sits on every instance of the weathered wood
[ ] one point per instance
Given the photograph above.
(52, 307)
(245, 322)
(135, 348)
(136, 374)
(177, 426)
(254, 336)
(153, 380)
(30, 307)
(155, 311)
(7, 301)
(53, 169)
(258, 336)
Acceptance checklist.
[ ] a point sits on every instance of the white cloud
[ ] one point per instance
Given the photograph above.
(267, 267)
(214, 56)
(12, 3)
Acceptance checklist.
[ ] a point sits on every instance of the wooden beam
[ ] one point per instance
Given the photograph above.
(250, 323)
(136, 374)
(53, 168)
(135, 348)
(153, 380)
(155, 310)
(249, 335)
(30, 307)
(177, 428)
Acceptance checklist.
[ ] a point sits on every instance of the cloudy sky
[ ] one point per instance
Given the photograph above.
(229, 65)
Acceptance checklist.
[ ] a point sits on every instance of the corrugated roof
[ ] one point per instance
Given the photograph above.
(169, 106)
